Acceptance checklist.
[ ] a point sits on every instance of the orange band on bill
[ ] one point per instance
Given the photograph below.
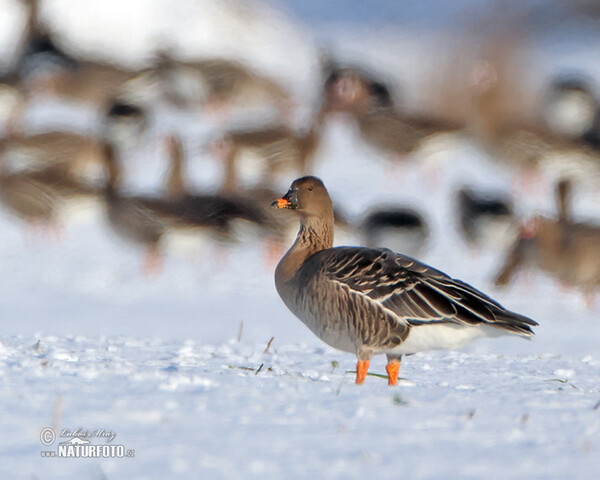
(282, 203)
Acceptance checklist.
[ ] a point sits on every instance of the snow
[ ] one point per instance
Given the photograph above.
(175, 364)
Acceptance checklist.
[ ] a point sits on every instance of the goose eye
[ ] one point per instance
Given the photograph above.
(310, 188)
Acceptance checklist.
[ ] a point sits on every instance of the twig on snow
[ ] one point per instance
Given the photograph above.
(269, 345)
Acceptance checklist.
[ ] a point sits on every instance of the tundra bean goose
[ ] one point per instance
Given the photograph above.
(371, 301)
(381, 124)
(215, 82)
(562, 247)
(205, 210)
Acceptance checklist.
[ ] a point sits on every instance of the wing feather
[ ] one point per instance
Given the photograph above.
(416, 293)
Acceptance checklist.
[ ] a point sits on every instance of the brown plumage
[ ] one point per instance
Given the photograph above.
(215, 82)
(27, 198)
(525, 142)
(278, 226)
(73, 152)
(213, 211)
(380, 123)
(561, 247)
(372, 301)
(278, 148)
(145, 220)
(39, 194)
(139, 219)
(63, 184)
(43, 67)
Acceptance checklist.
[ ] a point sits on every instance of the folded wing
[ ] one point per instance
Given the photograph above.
(416, 293)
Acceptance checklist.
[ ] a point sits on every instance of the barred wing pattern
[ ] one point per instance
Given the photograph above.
(415, 293)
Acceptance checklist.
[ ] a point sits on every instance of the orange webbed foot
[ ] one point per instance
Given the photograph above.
(362, 367)
(392, 369)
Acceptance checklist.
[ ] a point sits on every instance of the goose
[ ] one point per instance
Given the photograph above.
(569, 252)
(379, 122)
(396, 228)
(485, 219)
(561, 247)
(277, 147)
(214, 83)
(138, 219)
(91, 82)
(281, 226)
(146, 220)
(73, 152)
(278, 227)
(46, 68)
(359, 81)
(550, 141)
(41, 194)
(371, 301)
(208, 210)
(108, 88)
(63, 183)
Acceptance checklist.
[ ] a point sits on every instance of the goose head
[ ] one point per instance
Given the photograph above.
(308, 196)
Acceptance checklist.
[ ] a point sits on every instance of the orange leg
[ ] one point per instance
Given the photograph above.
(528, 181)
(217, 110)
(153, 262)
(392, 369)
(590, 299)
(362, 367)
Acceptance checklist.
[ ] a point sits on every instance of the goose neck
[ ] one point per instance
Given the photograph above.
(315, 234)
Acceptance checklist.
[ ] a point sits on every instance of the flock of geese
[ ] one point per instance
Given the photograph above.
(364, 300)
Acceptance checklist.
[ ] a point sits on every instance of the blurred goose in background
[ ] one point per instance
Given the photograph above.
(146, 220)
(77, 154)
(26, 197)
(338, 78)
(215, 211)
(532, 145)
(46, 68)
(261, 195)
(399, 229)
(379, 122)
(276, 149)
(108, 88)
(215, 84)
(561, 247)
(485, 220)
(371, 301)
(290, 150)
(138, 219)
(65, 185)
(58, 164)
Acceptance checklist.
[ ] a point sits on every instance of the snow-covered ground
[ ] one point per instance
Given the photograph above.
(175, 364)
